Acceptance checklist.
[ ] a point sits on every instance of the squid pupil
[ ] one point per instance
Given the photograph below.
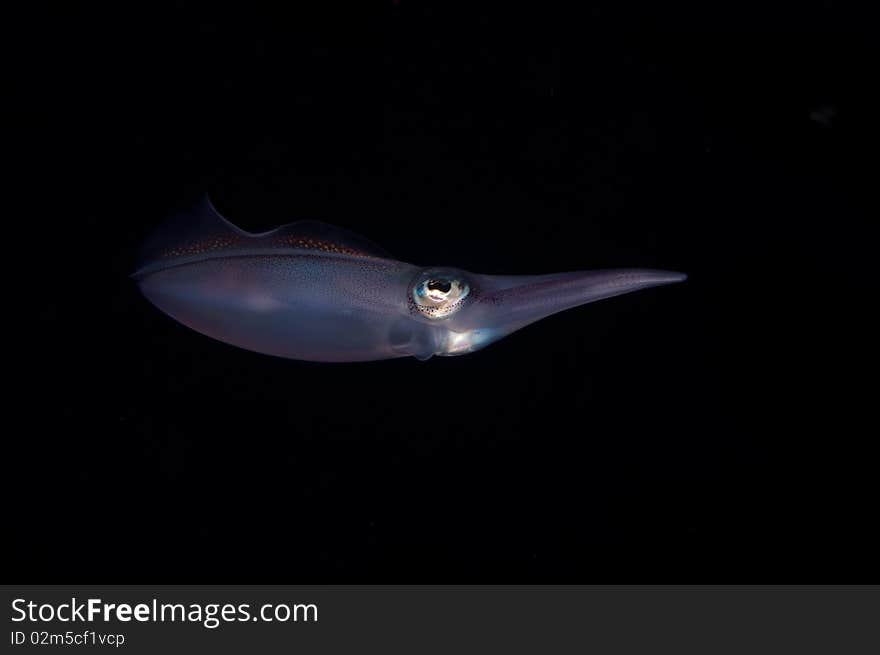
(443, 286)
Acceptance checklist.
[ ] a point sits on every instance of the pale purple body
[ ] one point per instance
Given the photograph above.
(314, 292)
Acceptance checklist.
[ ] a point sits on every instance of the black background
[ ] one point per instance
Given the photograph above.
(714, 431)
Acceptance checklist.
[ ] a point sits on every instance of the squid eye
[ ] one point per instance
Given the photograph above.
(438, 294)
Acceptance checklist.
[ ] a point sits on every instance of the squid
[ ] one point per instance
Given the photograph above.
(312, 291)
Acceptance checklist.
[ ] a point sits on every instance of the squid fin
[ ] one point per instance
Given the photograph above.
(201, 231)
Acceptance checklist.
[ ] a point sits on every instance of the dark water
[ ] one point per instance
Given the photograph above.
(715, 431)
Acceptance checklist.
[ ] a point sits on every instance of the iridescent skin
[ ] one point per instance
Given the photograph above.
(314, 292)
